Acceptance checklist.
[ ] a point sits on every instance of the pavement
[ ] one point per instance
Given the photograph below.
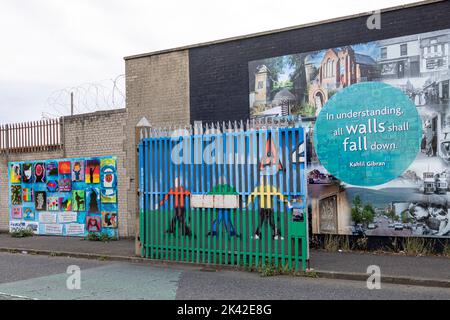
(395, 269)
(25, 276)
(123, 247)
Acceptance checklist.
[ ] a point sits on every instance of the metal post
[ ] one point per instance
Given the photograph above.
(62, 134)
(7, 142)
(71, 103)
(141, 131)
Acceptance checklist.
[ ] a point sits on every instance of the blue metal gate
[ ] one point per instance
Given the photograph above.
(225, 194)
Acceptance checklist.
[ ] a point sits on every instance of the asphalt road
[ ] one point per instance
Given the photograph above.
(41, 277)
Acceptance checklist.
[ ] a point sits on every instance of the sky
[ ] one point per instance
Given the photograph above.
(53, 47)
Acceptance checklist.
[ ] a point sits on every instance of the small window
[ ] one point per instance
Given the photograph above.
(383, 53)
(260, 84)
(404, 50)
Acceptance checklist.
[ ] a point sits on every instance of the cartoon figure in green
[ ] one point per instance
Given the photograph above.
(224, 215)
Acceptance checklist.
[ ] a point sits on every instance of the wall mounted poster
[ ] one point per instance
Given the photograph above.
(378, 128)
(92, 171)
(64, 197)
(27, 172)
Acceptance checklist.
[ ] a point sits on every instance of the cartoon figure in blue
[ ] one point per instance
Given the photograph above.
(224, 214)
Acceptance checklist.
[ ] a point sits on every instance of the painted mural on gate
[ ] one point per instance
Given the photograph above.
(415, 202)
(64, 197)
(235, 192)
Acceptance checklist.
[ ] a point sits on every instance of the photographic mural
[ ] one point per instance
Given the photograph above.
(64, 197)
(415, 202)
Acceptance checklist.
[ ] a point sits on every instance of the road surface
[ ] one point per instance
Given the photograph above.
(40, 277)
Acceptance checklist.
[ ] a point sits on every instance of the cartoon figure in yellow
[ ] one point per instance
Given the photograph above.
(267, 195)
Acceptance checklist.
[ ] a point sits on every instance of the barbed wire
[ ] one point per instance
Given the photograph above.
(89, 97)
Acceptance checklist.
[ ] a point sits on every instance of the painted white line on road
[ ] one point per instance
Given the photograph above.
(16, 296)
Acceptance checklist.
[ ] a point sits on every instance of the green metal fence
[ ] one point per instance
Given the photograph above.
(230, 194)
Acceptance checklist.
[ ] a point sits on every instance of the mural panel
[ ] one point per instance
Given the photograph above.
(64, 197)
(412, 203)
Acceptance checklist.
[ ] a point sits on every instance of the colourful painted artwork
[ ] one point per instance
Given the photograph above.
(108, 163)
(28, 214)
(92, 171)
(52, 186)
(16, 213)
(65, 202)
(57, 196)
(40, 201)
(93, 223)
(52, 169)
(109, 219)
(108, 196)
(39, 172)
(15, 173)
(65, 184)
(27, 195)
(93, 200)
(27, 173)
(108, 177)
(16, 195)
(64, 167)
(78, 200)
(78, 171)
(52, 203)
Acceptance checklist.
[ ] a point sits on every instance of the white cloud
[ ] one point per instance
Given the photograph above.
(52, 44)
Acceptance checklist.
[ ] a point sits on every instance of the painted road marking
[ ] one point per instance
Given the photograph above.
(117, 281)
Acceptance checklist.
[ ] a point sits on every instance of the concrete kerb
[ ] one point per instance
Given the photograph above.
(385, 279)
(213, 268)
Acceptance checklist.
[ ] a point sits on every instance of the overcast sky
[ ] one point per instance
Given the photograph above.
(50, 45)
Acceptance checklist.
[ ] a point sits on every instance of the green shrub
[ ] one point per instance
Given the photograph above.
(22, 233)
(101, 237)
(310, 274)
(305, 110)
(270, 269)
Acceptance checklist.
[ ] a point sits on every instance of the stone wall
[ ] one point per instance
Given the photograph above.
(157, 88)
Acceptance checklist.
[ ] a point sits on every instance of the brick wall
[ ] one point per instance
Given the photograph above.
(95, 134)
(157, 88)
(102, 134)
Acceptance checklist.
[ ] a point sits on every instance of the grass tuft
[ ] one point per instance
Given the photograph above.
(336, 243)
(417, 247)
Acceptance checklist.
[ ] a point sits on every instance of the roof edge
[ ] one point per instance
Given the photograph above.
(274, 31)
(93, 114)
